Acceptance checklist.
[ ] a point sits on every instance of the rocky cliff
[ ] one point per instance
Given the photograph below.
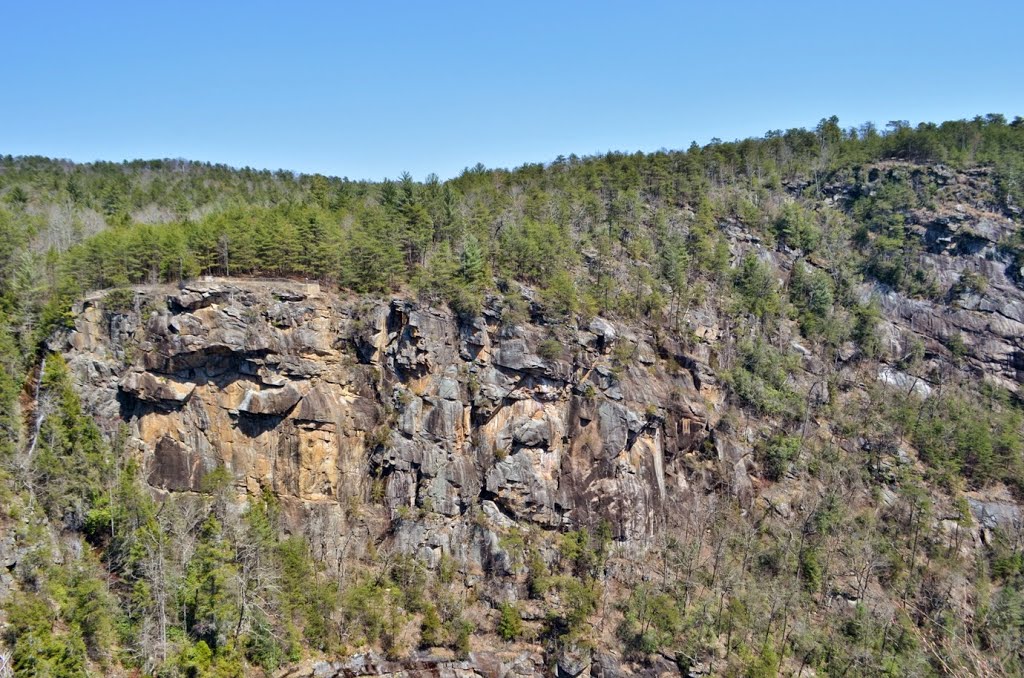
(382, 420)
(318, 397)
(961, 234)
(385, 423)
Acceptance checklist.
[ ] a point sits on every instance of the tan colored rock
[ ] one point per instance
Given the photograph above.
(316, 397)
(156, 388)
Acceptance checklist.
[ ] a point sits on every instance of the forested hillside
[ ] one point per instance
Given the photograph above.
(810, 344)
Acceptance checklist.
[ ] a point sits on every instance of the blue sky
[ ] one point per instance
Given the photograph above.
(368, 90)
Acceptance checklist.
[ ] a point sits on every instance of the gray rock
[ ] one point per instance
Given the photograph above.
(275, 401)
(993, 514)
(532, 432)
(604, 330)
(156, 389)
(572, 662)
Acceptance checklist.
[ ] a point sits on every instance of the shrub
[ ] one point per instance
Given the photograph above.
(550, 349)
(462, 632)
(777, 454)
(510, 623)
(761, 380)
(431, 631)
(119, 300)
(810, 568)
(559, 296)
(797, 227)
(758, 290)
(969, 283)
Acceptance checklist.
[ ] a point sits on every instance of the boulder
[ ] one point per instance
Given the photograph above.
(156, 388)
(275, 401)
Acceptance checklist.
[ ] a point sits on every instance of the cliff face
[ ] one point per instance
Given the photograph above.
(329, 401)
(960, 231)
(382, 421)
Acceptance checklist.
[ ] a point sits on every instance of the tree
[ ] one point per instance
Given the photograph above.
(209, 600)
(758, 289)
(796, 227)
(510, 623)
(417, 228)
(372, 261)
(472, 265)
(560, 295)
(70, 466)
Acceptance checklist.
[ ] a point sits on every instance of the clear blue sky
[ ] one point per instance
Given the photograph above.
(370, 89)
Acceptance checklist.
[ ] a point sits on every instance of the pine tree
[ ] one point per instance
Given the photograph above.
(472, 262)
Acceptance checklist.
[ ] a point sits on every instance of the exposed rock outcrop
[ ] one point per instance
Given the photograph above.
(963, 234)
(317, 397)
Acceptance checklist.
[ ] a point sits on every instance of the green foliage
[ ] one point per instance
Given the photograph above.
(119, 300)
(431, 629)
(777, 454)
(766, 665)
(584, 553)
(651, 620)
(510, 623)
(446, 238)
(758, 290)
(810, 568)
(797, 227)
(514, 310)
(559, 295)
(410, 576)
(61, 620)
(36, 650)
(462, 632)
(812, 292)
(537, 573)
(976, 437)
(307, 598)
(969, 282)
(536, 252)
(263, 648)
(866, 321)
(627, 235)
(444, 279)
(892, 252)
(10, 385)
(1004, 623)
(365, 609)
(472, 267)
(550, 349)
(577, 601)
(760, 380)
(195, 659)
(71, 467)
(209, 600)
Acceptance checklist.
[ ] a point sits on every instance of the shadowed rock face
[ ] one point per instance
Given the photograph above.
(315, 397)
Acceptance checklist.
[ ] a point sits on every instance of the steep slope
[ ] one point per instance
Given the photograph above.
(748, 409)
(382, 423)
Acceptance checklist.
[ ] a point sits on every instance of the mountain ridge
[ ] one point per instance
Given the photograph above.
(748, 409)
